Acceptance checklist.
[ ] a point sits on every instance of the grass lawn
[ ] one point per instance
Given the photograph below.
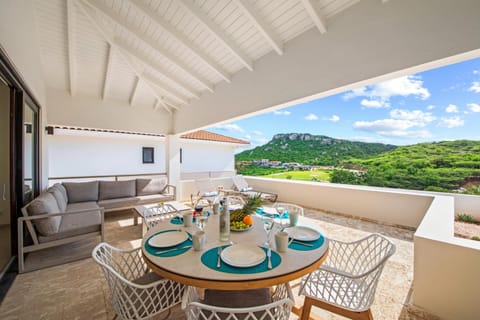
(318, 175)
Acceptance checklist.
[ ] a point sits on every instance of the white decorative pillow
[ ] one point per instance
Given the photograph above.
(246, 189)
(210, 194)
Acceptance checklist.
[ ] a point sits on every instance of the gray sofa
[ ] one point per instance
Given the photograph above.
(71, 211)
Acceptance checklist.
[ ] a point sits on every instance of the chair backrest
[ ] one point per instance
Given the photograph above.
(155, 215)
(289, 207)
(240, 183)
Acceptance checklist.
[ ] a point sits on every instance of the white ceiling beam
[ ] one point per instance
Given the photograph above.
(169, 76)
(109, 39)
(316, 15)
(134, 91)
(219, 34)
(261, 25)
(108, 69)
(179, 37)
(71, 38)
(101, 7)
(163, 89)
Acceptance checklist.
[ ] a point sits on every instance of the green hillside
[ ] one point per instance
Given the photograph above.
(440, 166)
(312, 149)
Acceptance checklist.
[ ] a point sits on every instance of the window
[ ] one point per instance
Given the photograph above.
(147, 153)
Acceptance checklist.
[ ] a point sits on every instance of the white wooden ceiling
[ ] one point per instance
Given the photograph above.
(166, 53)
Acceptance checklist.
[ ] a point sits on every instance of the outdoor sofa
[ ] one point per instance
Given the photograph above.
(72, 211)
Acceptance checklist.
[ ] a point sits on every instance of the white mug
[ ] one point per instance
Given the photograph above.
(281, 241)
(187, 219)
(199, 238)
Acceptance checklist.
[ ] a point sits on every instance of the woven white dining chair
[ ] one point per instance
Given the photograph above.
(289, 207)
(135, 291)
(157, 214)
(346, 282)
(279, 309)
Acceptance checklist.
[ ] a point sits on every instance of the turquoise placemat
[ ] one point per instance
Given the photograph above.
(315, 244)
(158, 251)
(210, 257)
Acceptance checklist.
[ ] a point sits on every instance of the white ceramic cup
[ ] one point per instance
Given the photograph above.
(293, 217)
(281, 241)
(188, 219)
(199, 238)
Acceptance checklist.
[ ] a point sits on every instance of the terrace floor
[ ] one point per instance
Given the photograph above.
(78, 290)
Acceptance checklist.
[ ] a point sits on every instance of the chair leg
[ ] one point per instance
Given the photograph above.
(307, 307)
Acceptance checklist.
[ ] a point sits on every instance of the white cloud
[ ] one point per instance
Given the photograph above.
(475, 87)
(430, 107)
(281, 112)
(451, 108)
(474, 107)
(381, 93)
(258, 133)
(311, 117)
(420, 118)
(231, 127)
(374, 103)
(476, 71)
(333, 118)
(452, 122)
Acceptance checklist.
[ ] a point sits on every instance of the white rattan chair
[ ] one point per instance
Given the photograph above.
(155, 215)
(289, 207)
(278, 309)
(345, 284)
(135, 291)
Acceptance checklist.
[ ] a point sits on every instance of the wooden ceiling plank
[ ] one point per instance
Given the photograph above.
(179, 37)
(316, 15)
(169, 76)
(109, 39)
(219, 34)
(261, 25)
(99, 7)
(71, 38)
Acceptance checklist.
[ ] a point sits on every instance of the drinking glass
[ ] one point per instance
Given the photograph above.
(281, 219)
(267, 226)
(201, 222)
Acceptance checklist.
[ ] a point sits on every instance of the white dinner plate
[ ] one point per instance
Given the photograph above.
(302, 233)
(168, 239)
(243, 255)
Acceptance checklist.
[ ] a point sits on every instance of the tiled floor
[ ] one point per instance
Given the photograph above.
(78, 290)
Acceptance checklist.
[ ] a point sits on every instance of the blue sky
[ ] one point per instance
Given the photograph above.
(435, 105)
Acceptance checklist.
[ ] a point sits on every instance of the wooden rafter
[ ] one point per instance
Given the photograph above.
(215, 30)
(134, 91)
(71, 38)
(316, 15)
(108, 68)
(260, 25)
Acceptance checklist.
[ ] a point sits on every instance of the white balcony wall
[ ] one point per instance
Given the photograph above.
(202, 156)
(93, 153)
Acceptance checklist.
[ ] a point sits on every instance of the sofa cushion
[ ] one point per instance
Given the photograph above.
(81, 191)
(112, 204)
(116, 189)
(45, 203)
(77, 223)
(60, 197)
(151, 186)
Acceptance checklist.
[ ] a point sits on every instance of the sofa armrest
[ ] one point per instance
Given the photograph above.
(171, 189)
(49, 215)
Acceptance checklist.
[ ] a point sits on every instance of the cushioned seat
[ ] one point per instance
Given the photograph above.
(133, 201)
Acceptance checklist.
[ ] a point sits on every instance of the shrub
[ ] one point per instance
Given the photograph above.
(476, 238)
(463, 217)
(289, 177)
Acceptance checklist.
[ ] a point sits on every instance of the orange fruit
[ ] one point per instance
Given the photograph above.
(248, 220)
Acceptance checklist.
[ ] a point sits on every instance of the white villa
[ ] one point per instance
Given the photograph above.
(167, 69)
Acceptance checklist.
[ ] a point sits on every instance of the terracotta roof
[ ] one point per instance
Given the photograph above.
(196, 135)
(210, 136)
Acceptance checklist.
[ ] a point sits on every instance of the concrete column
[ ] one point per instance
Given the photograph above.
(172, 162)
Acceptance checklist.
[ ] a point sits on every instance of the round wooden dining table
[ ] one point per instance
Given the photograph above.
(188, 268)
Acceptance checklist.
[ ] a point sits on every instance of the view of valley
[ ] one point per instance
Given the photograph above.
(446, 166)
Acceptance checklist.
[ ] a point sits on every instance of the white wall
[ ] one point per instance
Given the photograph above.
(200, 156)
(73, 154)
